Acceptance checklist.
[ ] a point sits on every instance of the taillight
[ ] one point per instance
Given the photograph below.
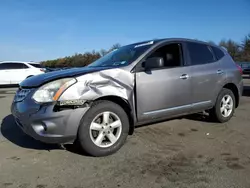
(239, 68)
(42, 70)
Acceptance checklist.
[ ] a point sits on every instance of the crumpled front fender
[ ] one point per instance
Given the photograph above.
(109, 82)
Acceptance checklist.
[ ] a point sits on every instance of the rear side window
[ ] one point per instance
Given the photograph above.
(218, 53)
(200, 54)
(5, 66)
(18, 66)
(37, 65)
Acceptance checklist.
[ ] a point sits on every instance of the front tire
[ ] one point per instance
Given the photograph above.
(224, 106)
(103, 129)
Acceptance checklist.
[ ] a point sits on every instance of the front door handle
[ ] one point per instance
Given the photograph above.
(220, 72)
(184, 76)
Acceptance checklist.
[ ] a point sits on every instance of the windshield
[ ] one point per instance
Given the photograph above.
(122, 56)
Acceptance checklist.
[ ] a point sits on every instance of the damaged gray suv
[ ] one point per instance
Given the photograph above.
(98, 105)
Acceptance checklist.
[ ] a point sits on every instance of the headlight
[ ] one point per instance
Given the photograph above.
(52, 90)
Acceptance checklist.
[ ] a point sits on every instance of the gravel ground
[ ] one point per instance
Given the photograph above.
(185, 152)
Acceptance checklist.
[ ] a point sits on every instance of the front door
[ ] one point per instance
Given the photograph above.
(166, 91)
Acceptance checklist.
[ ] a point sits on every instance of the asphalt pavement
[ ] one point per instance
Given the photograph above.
(185, 152)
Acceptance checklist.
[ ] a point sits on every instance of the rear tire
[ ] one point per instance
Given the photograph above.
(95, 135)
(224, 106)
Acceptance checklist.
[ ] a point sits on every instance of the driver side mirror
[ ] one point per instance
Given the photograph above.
(153, 62)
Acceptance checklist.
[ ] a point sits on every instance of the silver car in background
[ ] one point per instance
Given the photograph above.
(99, 105)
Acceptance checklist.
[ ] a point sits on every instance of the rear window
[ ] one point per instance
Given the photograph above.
(218, 53)
(37, 65)
(200, 53)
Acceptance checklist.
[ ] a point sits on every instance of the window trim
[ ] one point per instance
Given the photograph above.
(139, 68)
(189, 58)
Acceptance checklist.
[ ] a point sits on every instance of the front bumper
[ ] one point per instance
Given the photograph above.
(45, 124)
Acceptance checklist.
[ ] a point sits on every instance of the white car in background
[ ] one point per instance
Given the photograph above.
(14, 72)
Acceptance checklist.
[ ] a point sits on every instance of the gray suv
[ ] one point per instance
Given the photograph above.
(97, 106)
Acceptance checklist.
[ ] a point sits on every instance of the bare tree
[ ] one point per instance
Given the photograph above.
(245, 45)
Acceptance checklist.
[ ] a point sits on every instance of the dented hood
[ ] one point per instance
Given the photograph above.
(38, 80)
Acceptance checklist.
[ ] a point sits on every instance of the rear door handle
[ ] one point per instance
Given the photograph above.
(220, 72)
(184, 76)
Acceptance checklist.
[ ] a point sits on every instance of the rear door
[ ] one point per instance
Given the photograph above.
(206, 74)
(4, 77)
(163, 92)
(18, 72)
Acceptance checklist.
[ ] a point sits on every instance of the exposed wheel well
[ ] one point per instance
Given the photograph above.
(235, 91)
(125, 105)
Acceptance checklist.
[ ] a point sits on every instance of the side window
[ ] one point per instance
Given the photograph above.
(24, 66)
(5, 66)
(36, 65)
(171, 54)
(18, 66)
(218, 53)
(200, 53)
(2, 66)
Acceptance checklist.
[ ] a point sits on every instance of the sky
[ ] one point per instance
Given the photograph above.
(36, 30)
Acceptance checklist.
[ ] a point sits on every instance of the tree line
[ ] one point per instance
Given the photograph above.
(78, 59)
(240, 52)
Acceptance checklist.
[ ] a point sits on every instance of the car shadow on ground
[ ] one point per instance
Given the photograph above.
(200, 117)
(14, 134)
(194, 117)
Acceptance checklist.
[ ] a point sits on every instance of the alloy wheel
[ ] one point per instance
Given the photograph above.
(105, 129)
(226, 106)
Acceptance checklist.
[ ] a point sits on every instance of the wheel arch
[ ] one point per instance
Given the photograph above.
(125, 105)
(234, 89)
